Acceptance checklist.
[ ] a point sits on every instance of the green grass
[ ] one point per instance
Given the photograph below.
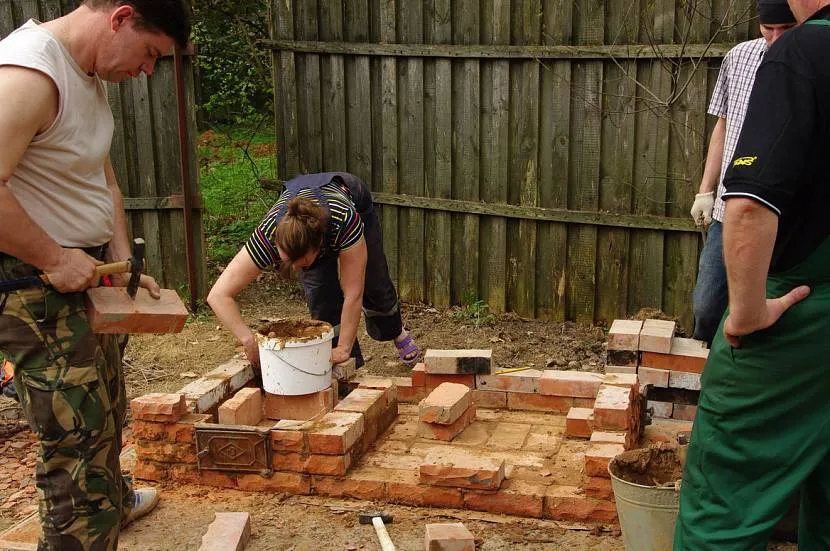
(232, 161)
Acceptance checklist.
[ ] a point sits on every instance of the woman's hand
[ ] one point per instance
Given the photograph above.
(340, 355)
(251, 347)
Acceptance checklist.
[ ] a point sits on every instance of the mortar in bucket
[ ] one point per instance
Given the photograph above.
(295, 356)
(647, 492)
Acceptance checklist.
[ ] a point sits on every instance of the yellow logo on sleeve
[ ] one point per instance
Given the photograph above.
(744, 161)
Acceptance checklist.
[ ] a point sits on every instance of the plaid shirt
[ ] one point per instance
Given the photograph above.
(730, 100)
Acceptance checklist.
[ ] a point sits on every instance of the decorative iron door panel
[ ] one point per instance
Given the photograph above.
(233, 449)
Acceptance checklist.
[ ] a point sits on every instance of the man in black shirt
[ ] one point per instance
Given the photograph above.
(763, 423)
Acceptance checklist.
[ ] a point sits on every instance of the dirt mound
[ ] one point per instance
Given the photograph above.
(654, 466)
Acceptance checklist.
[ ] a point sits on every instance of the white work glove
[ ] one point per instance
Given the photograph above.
(702, 208)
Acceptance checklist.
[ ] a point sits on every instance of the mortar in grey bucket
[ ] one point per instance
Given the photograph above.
(647, 513)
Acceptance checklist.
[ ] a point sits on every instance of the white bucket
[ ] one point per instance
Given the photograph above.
(296, 366)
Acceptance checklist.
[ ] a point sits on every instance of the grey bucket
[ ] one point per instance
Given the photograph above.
(647, 514)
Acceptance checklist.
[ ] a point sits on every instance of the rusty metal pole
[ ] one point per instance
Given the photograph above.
(184, 160)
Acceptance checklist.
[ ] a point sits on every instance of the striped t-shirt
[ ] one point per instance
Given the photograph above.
(344, 228)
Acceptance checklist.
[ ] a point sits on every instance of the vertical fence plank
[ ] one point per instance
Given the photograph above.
(438, 155)
(583, 192)
(616, 164)
(524, 160)
(333, 89)
(194, 185)
(118, 148)
(554, 162)
(358, 94)
(495, 105)
(144, 163)
(6, 18)
(309, 112)
(25, 10)
(385, 126)
(466, 101)
(285, 92)
(411, 148)
(50, 9)
(651, 167)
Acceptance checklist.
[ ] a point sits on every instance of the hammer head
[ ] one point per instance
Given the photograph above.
(136, 266)
(367, 516)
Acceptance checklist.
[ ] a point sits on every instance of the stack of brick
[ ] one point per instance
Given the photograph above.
(671, 365)
(447, 411)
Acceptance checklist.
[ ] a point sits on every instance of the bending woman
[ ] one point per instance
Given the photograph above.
(321, 219)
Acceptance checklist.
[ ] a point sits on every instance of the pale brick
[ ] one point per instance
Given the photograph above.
(661, 409)
(689, 381)
(599, 455)
(575, 384)
(159, 407)
(578, 422)
(445, 404)
(490, 399)
(656, 336)
(684, 412)
(608, 437)
(244, 408)
(335, 433)
(628, 380)
(508, 436)
(434, 431)
(301, 407)
(612, 409)
(238, 373)
(517, 381)
(458, 362)
(624, 369)
(624, 335)
(664, 430)
(344, 370)
(654, 377)
(539, 402)
(457, 469)
(205, 394)
(448, 537)
(228, 532)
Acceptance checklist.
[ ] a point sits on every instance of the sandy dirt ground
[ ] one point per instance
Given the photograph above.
(282, 522)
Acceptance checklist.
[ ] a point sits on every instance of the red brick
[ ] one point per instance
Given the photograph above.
(448, 537)
(684, 412)
(189, 474)
(291, 462)
(445, 404)
(412, 493)
(578, 423)
(686, 355)
(374, 382)
(598, 487)
(328, 465)
(490, 399)
(344, 370)
(244, 408)
(369, 490)
(229, 531)
(518, 381)
(458, 362)
(459, 469)
(419, 375)
(411, 394)
(539, 402)
(335, 433)
(164, 408)
(567, 503)
(516, 497)
(432, 381)
(654, 377)
(665, 430)
(575, 384)
(149, 470)
(301, 407)
(112, 310)
(656, 336)
(624, 335)
(584, 403)
(612, 408)
(598, 456)
(165, 452)
(183, 432)
(434, 431)
(379, 408)
(291, 483)
(680, 379)
(289, 436)
(627, 380)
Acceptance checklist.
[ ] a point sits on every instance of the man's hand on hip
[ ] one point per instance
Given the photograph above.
(74, 271)
(734, 327)
(702, 208)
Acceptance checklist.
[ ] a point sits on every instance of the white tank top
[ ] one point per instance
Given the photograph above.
(60, 180)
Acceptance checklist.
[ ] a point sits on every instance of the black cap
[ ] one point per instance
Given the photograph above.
(774, 12)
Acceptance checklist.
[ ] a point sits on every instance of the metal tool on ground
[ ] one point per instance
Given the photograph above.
(512, 370)
(133, 266)
(377, 519)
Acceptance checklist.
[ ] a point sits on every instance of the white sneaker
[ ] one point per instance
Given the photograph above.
(146, 500)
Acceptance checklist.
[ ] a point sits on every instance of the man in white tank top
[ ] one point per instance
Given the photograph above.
(61, 212)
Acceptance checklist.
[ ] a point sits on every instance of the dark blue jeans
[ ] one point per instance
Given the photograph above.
(710, 297)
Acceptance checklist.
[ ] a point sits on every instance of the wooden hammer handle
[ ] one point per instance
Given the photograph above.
(122, 267)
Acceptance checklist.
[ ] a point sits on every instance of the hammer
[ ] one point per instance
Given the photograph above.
(133, 266)
(377, 519)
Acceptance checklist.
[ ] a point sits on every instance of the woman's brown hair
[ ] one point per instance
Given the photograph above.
(302, 229)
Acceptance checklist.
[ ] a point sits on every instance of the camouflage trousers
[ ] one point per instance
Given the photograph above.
(71, 388)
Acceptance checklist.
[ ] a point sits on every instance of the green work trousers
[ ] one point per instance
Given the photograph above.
(762, 429)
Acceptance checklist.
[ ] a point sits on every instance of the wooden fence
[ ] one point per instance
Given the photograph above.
(145, 154)
(541, 155)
